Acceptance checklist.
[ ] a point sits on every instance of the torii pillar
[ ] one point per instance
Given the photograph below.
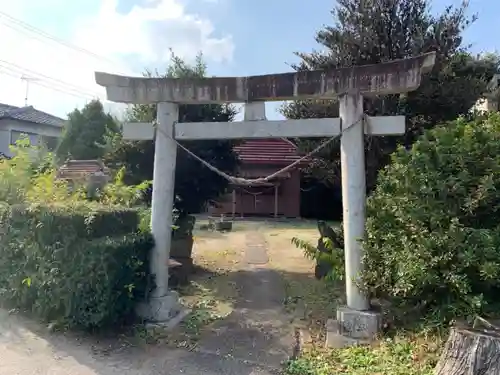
(348, 84)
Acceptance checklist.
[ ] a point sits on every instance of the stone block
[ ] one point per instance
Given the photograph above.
(358, 324)
(335, 340)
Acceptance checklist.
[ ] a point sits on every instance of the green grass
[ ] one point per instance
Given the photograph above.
(394, 356)
(312, 302)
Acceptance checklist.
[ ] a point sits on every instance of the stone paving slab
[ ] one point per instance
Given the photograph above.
(256, 249)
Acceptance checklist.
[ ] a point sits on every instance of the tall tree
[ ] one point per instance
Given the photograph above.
(375, 31)
(194, 183)
(86, 133)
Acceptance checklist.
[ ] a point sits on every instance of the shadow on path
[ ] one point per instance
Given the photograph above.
(28, 349)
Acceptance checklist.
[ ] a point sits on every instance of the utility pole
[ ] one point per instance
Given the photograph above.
(27, 80)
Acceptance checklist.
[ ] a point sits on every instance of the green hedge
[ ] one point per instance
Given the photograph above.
(433, 231)
(62, 223)
(79, 266)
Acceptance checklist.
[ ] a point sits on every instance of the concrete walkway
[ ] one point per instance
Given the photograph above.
(253, 340)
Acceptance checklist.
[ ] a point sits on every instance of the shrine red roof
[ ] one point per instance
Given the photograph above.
(267, 151)
(74, 169)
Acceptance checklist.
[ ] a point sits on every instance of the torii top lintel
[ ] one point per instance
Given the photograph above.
(397, 76)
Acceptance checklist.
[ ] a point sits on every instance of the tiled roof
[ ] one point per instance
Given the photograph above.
(267, 151)
(29, 114)
(76, 169)
(5, 108)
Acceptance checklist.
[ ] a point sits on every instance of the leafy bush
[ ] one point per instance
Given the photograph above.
(77, 265)
(117, 192)
(145, 220)
(433, 235)
(29, 177)
(328, 254)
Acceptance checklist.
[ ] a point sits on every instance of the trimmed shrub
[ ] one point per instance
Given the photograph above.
(62, 222)
(433, 228)
(78, 266)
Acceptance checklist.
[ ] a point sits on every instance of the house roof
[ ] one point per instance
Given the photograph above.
(29, 114)
(267, 151)
(76, 169)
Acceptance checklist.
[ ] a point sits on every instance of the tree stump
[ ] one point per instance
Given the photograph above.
(471, 351)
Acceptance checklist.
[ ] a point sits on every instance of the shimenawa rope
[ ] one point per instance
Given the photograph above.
(261, 180)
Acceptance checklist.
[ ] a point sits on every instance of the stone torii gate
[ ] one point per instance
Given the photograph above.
(348, 84)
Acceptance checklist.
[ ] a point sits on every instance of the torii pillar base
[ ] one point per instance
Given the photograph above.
(352, 327)
(165, 311)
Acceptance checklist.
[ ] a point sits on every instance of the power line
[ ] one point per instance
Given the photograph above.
(42, 84)
(55, 84)
(19, 25)
(29, 72)
(62, 87)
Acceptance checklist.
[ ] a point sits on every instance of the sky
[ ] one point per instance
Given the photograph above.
(53, 47)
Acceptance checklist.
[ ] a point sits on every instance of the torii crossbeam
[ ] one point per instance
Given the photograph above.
(348, 84)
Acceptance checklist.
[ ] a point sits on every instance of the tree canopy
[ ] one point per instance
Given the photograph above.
(194, 183)
(370, 32)
(87, 133)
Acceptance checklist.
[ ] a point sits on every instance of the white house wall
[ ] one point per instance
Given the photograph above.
(33, 130)
(5, 142)
(45, 130)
